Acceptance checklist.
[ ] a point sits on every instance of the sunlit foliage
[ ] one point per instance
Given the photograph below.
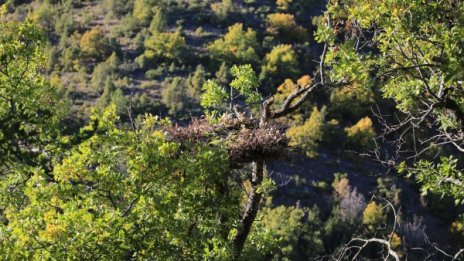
(310, 134)
(237, 46)
(94, 44)
(280, 63)
(284, 25)
(166, 46)
(361, 134)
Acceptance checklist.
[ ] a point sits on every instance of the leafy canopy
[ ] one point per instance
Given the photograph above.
(133, 191)
(416, 62)
(107, 192)
(245, 82)
(28, 103)
(412, 51)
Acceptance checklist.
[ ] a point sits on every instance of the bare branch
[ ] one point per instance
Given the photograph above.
(353, 243)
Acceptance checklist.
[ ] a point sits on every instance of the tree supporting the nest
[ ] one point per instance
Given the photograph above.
(251, 208)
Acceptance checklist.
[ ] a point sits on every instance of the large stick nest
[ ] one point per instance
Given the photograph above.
(246, 141)
(262, 143)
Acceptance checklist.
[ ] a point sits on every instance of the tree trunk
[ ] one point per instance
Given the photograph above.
(251, 208)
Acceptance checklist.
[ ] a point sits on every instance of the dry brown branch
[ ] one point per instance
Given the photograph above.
(197, 130)
(299, 95)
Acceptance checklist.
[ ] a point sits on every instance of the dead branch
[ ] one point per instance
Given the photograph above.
(354, 242)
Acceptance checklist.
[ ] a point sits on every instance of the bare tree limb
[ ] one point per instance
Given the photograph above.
(353, 243)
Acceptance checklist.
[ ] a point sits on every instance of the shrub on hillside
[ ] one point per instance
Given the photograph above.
(104, 70)
(195, 82)
(95, 45)
(297, 231)
(237, 46)
(361, 134)
(45, 16)
(373, 216)
(279, 63)
(310, 134)
(174, 95)
(223, 9)
(284, 26)
(166, 47)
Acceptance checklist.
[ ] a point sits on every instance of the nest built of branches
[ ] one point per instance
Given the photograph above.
(246, 140)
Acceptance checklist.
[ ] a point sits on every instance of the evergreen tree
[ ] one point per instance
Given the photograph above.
(222, 75)
(174, 95)
(158, 23)
(120, 101)
(195, 83)
(143, 10)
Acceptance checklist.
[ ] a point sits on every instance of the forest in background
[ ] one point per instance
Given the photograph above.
(255, 129)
